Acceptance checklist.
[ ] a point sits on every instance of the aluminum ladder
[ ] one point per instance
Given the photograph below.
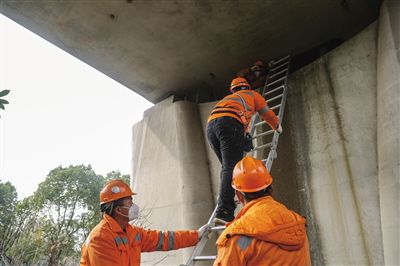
(266, 140)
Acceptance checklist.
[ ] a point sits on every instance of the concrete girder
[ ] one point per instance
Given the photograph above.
(183, 47)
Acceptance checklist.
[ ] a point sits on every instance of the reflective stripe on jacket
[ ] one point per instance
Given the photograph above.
(264, 232)
(232, 105)
(108, 244)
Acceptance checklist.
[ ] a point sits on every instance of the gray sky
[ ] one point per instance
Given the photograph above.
(61, 112)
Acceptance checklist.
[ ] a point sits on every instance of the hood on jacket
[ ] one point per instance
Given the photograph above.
(267, 220)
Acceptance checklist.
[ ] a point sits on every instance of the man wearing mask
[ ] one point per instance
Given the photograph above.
(226, 129)
(116, 242)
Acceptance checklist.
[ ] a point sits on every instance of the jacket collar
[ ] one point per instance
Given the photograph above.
(248, 206)
(112, 223)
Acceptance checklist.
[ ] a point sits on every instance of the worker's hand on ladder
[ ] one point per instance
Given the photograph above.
(203, 230)
(279, 129)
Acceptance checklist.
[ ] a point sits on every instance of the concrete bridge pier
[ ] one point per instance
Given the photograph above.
(388, 127)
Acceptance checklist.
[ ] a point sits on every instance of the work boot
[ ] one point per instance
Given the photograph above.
(223, 217)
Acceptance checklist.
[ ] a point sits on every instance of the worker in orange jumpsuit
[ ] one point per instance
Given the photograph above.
(226, 128)
(264, 232)
(116, 242)
(255, 75)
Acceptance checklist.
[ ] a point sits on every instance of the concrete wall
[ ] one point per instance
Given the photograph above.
(333, 122)
(338, 158)
(389, 128)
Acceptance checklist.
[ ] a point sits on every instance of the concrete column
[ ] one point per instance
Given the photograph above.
(213, 163)
(193, 169)
(170, 174)
(388, 126)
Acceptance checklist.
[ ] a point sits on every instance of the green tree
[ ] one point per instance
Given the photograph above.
(8, 201)
(117, 175)
(27, 245)
(68, 203)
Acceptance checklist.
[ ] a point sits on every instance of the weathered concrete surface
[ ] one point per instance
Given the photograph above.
(158, 48)
(333, 122)
(170, 172)
(389, 128)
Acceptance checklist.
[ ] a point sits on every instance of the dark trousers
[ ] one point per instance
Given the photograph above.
(225, 135)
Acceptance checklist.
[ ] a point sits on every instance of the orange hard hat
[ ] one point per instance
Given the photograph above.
(239, 82)
(115, 189)
(250, 175)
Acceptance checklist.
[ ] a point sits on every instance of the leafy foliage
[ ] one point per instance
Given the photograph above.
(2, 101)
(52, 224)
(8, 201)
(63, 199)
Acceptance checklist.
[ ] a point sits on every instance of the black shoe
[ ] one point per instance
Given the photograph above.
(223, 217)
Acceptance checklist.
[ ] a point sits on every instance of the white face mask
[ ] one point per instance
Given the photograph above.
(133, 212)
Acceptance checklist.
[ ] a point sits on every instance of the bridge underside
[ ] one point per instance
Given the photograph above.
(187, 48)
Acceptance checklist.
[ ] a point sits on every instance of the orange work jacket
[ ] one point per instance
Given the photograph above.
(264, 232)
(109, 245)
(232, 105)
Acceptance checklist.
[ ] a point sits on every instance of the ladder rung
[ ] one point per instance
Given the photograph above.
(277, 74)
(199, 258)
(274, 90)
(276, 81)
(263, 146)
(263, 134)
(274, 98)
(218, 228)
(282, 59)
(276, 107)
(279, 67)
(260, 123)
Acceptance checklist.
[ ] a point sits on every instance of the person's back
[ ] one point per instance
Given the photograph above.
(265, 232)
(242, 105)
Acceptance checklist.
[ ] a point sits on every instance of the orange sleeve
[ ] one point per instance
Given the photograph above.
(100, 250)
(267, 114)
(230, 254)
(153, 240)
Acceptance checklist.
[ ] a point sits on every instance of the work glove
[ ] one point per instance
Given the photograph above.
(203, 230)
(279, 129)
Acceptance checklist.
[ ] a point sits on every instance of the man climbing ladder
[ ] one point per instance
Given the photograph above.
(227, 124)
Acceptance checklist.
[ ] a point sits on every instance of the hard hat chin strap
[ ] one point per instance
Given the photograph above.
(241, 197)
(107, 207)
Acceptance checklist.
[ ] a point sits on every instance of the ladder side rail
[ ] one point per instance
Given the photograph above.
(283, 102)
(203, 241)
(256, 117)
(273, 154)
